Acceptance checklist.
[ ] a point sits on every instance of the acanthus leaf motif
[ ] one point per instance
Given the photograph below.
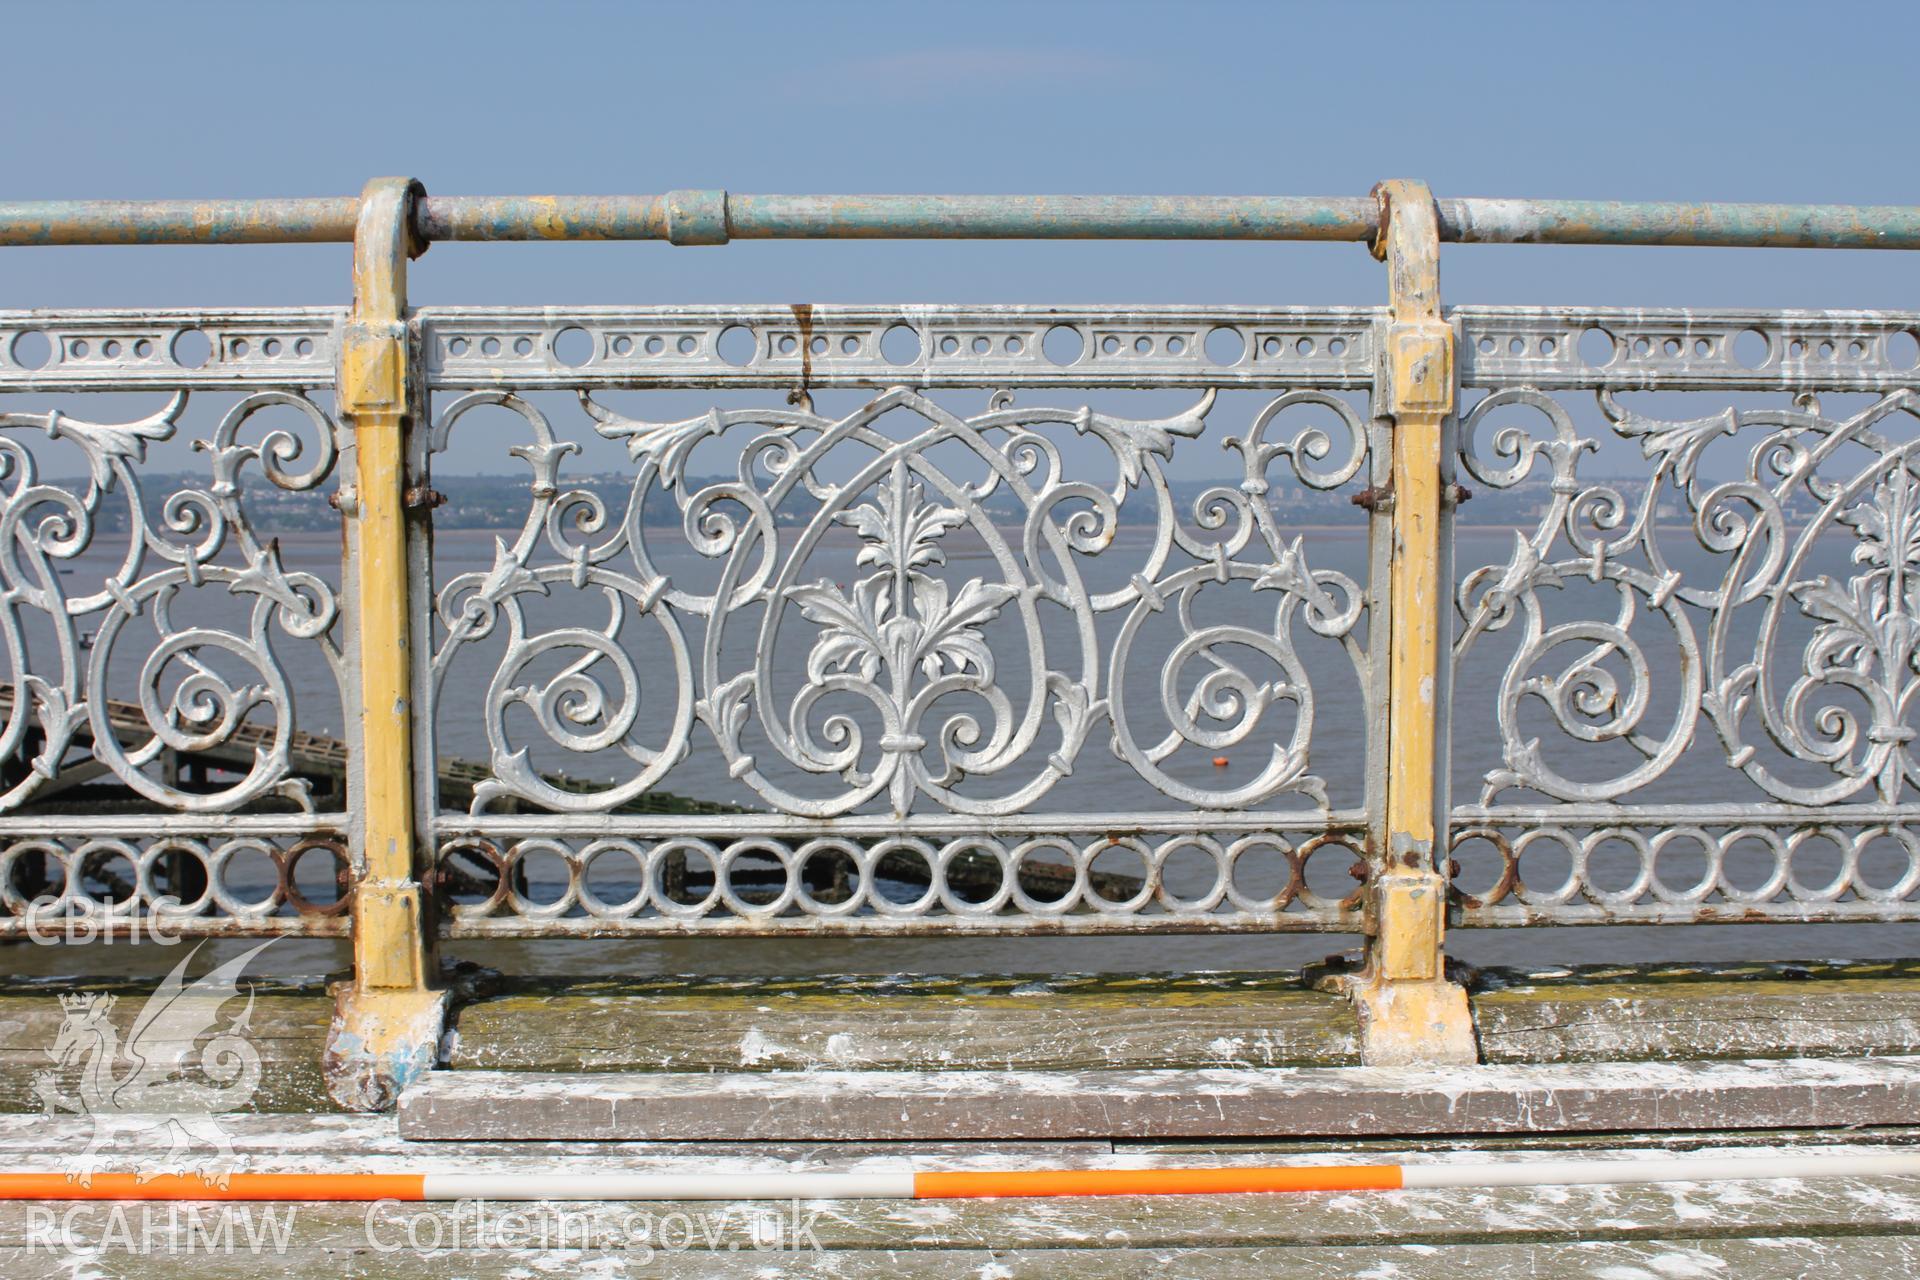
(1874, 619)
(900, 618)
(901, 528)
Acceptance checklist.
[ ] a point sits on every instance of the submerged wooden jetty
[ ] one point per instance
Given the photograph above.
(1680, 698)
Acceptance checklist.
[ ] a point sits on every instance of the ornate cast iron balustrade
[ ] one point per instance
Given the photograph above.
(1699, 632)
(157, 641)
(936, 619)
(1704, 640)
(970, 598)
(896, 620)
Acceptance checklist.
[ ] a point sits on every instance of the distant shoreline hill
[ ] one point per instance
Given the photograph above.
(501, 501)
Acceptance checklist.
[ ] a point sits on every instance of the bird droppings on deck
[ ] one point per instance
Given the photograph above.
(1688, 1265)
(932, 1032)
(1382, 1270)
(755, 1048)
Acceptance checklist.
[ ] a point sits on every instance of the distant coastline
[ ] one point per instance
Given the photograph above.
(500, 502)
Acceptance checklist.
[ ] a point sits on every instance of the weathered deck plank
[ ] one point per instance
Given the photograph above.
(686, 1030)
(1814, 1208)
(274, 1143)
(1017, 1023)
(1772, 1258)
(288, 1027)
(1615, 1014)
(868, 1105)
(1057, 1023)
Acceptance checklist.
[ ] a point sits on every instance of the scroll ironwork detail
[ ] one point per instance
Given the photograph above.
(1713, 658)
(901, 641)
(198, 538)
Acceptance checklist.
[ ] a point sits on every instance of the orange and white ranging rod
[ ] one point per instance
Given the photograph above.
(908, 1185)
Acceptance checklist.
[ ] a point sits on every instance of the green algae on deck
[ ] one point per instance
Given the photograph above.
(1674, 1012)
(907, 1023)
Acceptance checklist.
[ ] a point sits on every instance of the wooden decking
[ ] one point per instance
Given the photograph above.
(1845, 1019)
(1754, 1231)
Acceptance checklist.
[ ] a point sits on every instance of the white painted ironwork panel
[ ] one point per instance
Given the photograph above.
(900, 612)
(156, 632)
(1558, 348)
(816, 346)
(1702, 632)
(167, 350)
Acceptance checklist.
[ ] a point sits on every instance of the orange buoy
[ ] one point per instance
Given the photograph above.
(1219, 762)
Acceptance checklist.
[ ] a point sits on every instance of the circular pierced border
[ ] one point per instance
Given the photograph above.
(879, 901)
(531, 908)
(1304, 893)
(223, 894)
(142, 864)
(599, 907)
(1509, 882)
(104, 852)
(780, 854)
(1775, 881)
(1907, 884)
(1000, 896)
(343, 876)
(1672, 837)
(149, 870)
(56, 856)
(1642, 879)
(660, 859)
(482, 851)
(860, 882)
(1049, 906)
(1216, 893)
(958, 905)
(1149, 882)
(1249, 845)
(1780, 890)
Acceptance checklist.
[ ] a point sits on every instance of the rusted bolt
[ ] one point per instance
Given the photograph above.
(419, 496)
(1358, 870)
(1458, 493)
(1453, 868)
(1374, 498)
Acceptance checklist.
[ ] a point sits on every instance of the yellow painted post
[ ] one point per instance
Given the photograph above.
(388, 1019)
(1409, 1011)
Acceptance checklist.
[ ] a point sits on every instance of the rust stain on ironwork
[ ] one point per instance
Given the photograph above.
(803, 394)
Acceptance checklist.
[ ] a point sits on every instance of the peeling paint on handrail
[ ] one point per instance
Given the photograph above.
(715, 217)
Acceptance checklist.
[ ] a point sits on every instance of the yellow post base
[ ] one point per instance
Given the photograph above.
(380, 1042)
(1410, 1013)
(1404, 1024)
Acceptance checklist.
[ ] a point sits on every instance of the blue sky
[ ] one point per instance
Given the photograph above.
(1756, 101)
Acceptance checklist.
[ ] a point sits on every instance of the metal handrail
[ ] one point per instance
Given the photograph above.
(716, 217)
